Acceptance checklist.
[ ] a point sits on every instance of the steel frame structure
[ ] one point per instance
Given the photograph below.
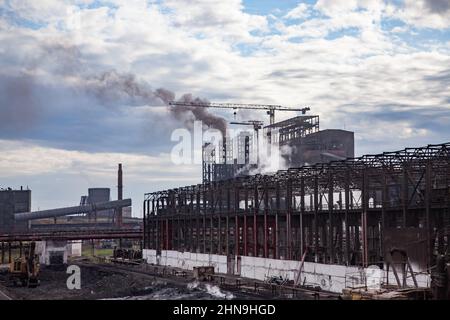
(337, 212)
(292, 129)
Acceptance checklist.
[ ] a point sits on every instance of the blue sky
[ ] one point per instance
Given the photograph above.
(78, 80)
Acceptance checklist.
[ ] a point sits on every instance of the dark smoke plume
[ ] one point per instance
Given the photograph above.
(165, 95)
(110, 88)
(199, 113)
(19, 105)
(438, 6)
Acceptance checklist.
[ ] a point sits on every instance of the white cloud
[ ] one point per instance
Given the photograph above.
(190, 47)
(362, 15)
(223, 19)
(333, 7)
(385, 130)
(299, 12)
(434, 14)
(27, 159)
(339, 7)
(398, 29)
(164, 49)
(425, 13)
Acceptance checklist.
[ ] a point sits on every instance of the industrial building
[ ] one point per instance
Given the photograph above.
(94, 211)
(307, 144)
(330, 221)
(323, 224)
(12, 202)
(299, 139)
(59, 231)
(101, 195)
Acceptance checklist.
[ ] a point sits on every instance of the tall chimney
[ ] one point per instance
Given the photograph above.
(119, 194)
(224, 149)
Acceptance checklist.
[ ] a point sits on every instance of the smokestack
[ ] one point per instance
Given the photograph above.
(247, 150)
(224, 149)
(119, 194)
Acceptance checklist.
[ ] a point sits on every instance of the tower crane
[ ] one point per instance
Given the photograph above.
(269, 107)
(257, 125)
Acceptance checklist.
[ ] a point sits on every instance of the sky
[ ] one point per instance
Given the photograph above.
(79, 80)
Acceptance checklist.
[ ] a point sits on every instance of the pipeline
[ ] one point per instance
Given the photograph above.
(72, 210)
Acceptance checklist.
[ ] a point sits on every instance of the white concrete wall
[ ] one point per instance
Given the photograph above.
(40, 251)
(186, 260)
(328, 277)
(43, 249)
(75, 248)
(149, 255)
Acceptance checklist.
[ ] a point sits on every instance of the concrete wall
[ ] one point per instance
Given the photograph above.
(75, 248)
(45, 248)
(328, 277)
(186, 260)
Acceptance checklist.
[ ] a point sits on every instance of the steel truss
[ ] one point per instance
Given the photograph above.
(337, 211)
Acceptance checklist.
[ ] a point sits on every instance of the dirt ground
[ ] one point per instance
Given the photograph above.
(112, 281)
(95, 284)
(100, 282)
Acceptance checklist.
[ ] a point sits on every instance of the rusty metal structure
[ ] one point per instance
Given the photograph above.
(348, 212)
(299, 141)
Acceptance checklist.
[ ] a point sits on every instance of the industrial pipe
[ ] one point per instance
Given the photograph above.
(72, 210)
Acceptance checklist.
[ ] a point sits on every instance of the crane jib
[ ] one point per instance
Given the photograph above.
(237, 106)
(270, 107)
